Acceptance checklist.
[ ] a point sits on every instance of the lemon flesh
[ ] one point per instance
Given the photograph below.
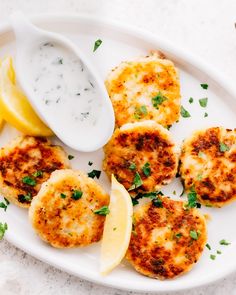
(117, 228)
(14, 106)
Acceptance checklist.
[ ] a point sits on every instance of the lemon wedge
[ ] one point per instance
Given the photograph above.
(117, 228)
(14, 106)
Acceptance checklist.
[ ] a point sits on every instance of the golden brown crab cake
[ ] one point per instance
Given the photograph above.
(64, 212)
(142, 156)
(25, 164)
(147, 88)
(208, 165)
(166, 239)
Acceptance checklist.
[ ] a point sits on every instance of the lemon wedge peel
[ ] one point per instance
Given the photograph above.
(117, 228)
(14, 106)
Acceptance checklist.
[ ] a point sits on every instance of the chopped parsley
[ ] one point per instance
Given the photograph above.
(199, 177)
(134, 201)
(76, 195)
(102, 211)
(137, 182)
(192, 199)
(146, 169)
(213, 257)
(3, 228)
(24, 198)
(38, 173)
(178, 235)
(90, 163)
(97, 43)
(184, 113)
(132, 166)
(174, 192)
(224, 147)
(140, 112)
(157, 202)
(158, 100)
(70, 157)
(63, 196)
(204, 86)
(224, 242)
(29, 180)
(203, 102)
(190, 100)
(205, 115)
(218, 252)
(208, 246)
(94, 173)
(4, 204)
(193, 234)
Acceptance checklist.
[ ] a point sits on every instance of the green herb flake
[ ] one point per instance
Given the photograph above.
(97, 43)
(208, 246)
(204, 86)
(213, 257)
(102, 211)
(193, 234)
(203, 102)
(114, 228)
(192, 198)
(137, 182)
(63, 196)
(132, 166)
(224, 147)
(29, 180)
(190, 100)
(205, 115)
(134, 201)
(90, 163)
(3, 206)
(174, 192)
(76, 195)
(199, 177)
(140, 112)
(157, 202)
(224, 242)
(3, 228)
(7, 202)
(158, 100)
(218, 252)
(38, 173)
(184, 113)
(70, 157)
(94, 173)
(24, 198)
(146, 169)
(178, 235)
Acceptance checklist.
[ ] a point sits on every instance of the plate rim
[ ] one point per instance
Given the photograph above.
(167, 46)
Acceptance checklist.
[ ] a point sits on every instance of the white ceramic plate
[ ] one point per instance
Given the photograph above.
(123, 43)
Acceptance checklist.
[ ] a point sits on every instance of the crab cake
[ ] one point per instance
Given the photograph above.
(208, 165)
(142, 156)
(166, 239)
(64, 211)
(25, 164)
(147, 88)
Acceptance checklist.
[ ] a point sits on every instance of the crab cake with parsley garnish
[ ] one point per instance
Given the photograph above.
(147, 88)
(25, 164)
(69, 210)
(208, 165)
(142, 156)
(166, 239)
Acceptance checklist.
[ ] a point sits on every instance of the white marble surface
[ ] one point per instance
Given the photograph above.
(206, 28)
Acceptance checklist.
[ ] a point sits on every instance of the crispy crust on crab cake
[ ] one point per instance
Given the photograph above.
(147, 88)
(25, 164)
(166, 239)
(142, 149)
(62, 213)
(208, 165)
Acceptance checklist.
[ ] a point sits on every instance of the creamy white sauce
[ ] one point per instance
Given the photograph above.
(66, 91)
